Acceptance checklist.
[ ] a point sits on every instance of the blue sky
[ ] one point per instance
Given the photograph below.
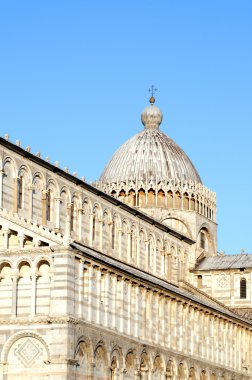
(74, 77)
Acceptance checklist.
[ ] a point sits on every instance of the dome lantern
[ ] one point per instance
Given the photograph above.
(151, 116)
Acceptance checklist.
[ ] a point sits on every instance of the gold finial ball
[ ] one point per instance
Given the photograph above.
(152, 100)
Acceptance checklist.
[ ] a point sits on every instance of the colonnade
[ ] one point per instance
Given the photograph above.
(134, 309)
(97, 360)
(25, 287)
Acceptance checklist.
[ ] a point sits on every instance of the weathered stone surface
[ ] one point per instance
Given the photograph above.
(93, 287)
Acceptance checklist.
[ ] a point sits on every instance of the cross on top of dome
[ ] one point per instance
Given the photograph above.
(152, 90)
(151, 116)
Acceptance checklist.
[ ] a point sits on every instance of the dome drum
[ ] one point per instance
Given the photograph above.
(180, 195)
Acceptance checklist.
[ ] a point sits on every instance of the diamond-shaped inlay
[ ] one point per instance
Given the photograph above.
(28, 352)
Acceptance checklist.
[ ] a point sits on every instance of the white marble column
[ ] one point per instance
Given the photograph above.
(113, 292)
(90, 291)
(6, 233)
(21, 239)
(98, 295)
(15, 277)
(91, 221)
(81, 288)
(120, 301)
(148, 314)
(106, 299)
(80, 213)
(174, 335)
(143, 313)
(179, 321)
(128, 317)
(136, 327)
(57, 214)
(161, 318)
(33, 293)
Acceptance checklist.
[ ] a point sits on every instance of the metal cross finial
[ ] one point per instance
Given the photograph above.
(152, 90)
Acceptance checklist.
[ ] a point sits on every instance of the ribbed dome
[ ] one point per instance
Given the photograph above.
(150, 154)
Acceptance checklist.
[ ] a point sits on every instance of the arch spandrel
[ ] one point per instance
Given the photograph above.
(27, 353)
(177, 224)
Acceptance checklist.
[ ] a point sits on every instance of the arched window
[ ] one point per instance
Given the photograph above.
(43, 288)
(72, 216)
(48, 205)
(192, 203)
(113, 235)
(186, 201)
(161, 198)
(200, 283)
(243, 288)
(94, 227)
(20, 192)
(170, 199)
(151, 198)
(122, 195)
(141, 198)
(113, 193)
(202, 240)
(132, 198)
(64, 200)
(8, 185)
(177, 200)
(23, 306)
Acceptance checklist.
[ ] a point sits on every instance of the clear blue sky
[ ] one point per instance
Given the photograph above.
(74, 77)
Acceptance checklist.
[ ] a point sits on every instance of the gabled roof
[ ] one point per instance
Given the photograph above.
(225, 262)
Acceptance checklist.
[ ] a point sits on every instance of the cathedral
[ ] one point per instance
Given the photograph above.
(118, 279)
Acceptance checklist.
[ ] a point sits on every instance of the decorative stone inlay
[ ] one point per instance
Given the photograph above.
(28, 352)
(223, 281)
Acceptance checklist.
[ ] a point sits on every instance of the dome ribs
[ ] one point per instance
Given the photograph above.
(150, 154)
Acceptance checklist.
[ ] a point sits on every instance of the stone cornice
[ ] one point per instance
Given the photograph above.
(47, 320)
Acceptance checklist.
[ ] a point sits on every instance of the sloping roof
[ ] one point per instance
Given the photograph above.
(156, 281)
(225, 262)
